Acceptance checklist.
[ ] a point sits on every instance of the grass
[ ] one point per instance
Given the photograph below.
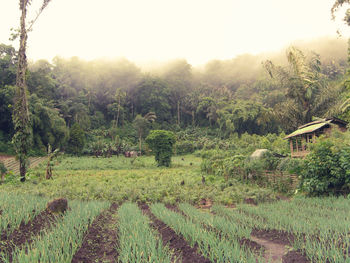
(120, 179)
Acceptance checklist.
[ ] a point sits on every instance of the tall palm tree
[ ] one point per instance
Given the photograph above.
(307, 91)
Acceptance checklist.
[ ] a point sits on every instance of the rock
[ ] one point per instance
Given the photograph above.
(58, 206)
(258, 154)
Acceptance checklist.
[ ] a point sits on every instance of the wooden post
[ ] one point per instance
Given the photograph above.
(291, 146)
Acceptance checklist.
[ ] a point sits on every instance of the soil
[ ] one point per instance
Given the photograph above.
(250, 201)
(101, 240)
(295, 257)
(26, 233)
(275, 242)
(273, 252)
(252, 245)
(275, 236)
(175, 242)
(4, 157)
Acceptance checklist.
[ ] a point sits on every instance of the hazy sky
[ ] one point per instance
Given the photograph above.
(158, 30)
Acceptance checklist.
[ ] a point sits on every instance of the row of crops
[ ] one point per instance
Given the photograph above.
(320, 229)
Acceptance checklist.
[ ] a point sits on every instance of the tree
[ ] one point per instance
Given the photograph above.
(306, 88)
(337, 4)
(141, 123)
(178, 77)
(327, 169)
(8, 60)
(21, 138)
(76, 140)
(161, 143)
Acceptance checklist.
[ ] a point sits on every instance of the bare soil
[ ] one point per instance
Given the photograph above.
(26, 233)
(101, 239)
(175, 242)
(278, 237)
(273, 252)
(294, 257)
(275, 242)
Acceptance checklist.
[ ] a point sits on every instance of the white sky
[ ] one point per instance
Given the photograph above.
(158, 30)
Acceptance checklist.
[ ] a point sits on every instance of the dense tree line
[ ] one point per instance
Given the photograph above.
(242, 95)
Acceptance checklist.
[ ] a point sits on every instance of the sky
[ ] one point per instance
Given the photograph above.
(158, 30)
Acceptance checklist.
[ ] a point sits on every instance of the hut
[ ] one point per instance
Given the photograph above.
(309, 132)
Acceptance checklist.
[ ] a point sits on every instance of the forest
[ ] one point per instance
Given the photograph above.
(109, 99)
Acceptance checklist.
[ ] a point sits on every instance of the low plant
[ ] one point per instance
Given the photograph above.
(61, 243)
(211, 245)
(137, 241)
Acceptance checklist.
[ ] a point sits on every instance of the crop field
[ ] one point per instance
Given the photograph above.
(120, 179)
(305, 229)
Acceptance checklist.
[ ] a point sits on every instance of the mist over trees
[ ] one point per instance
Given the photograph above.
(232, 97)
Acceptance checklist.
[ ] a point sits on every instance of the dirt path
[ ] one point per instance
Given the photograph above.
(26, 233)
(100, 241)
(175, 242)
(276, 243)
(273, 252)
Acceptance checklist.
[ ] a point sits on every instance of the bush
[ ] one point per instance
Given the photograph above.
(327, 167)
(184, 147)
(291, 165)
(161, 143)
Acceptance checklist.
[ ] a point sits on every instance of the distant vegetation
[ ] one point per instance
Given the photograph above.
(228, 97)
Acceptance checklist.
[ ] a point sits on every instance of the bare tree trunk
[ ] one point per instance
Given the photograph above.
(20, 113)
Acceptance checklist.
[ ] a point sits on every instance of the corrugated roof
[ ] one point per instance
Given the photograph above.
(307, 129)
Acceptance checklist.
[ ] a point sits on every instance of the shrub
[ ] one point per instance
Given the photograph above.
(184, 147)
(291, 165)
(327, 168)
(161, 143)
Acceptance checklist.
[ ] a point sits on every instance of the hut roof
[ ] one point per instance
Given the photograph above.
(308, 129)
(315, 125)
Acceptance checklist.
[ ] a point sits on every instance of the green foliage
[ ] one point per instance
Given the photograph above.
(76, 140)
(5, 144)
(6, 105)
(49, 128)
(184, 147)
(161, 143)
(61, 243)
(326, 169)
(319, 225)
(137, 241)
(117, 179)
(3, 169)
(210, 243)
(291, 165)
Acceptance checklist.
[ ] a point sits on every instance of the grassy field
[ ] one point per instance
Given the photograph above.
(120, 179)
